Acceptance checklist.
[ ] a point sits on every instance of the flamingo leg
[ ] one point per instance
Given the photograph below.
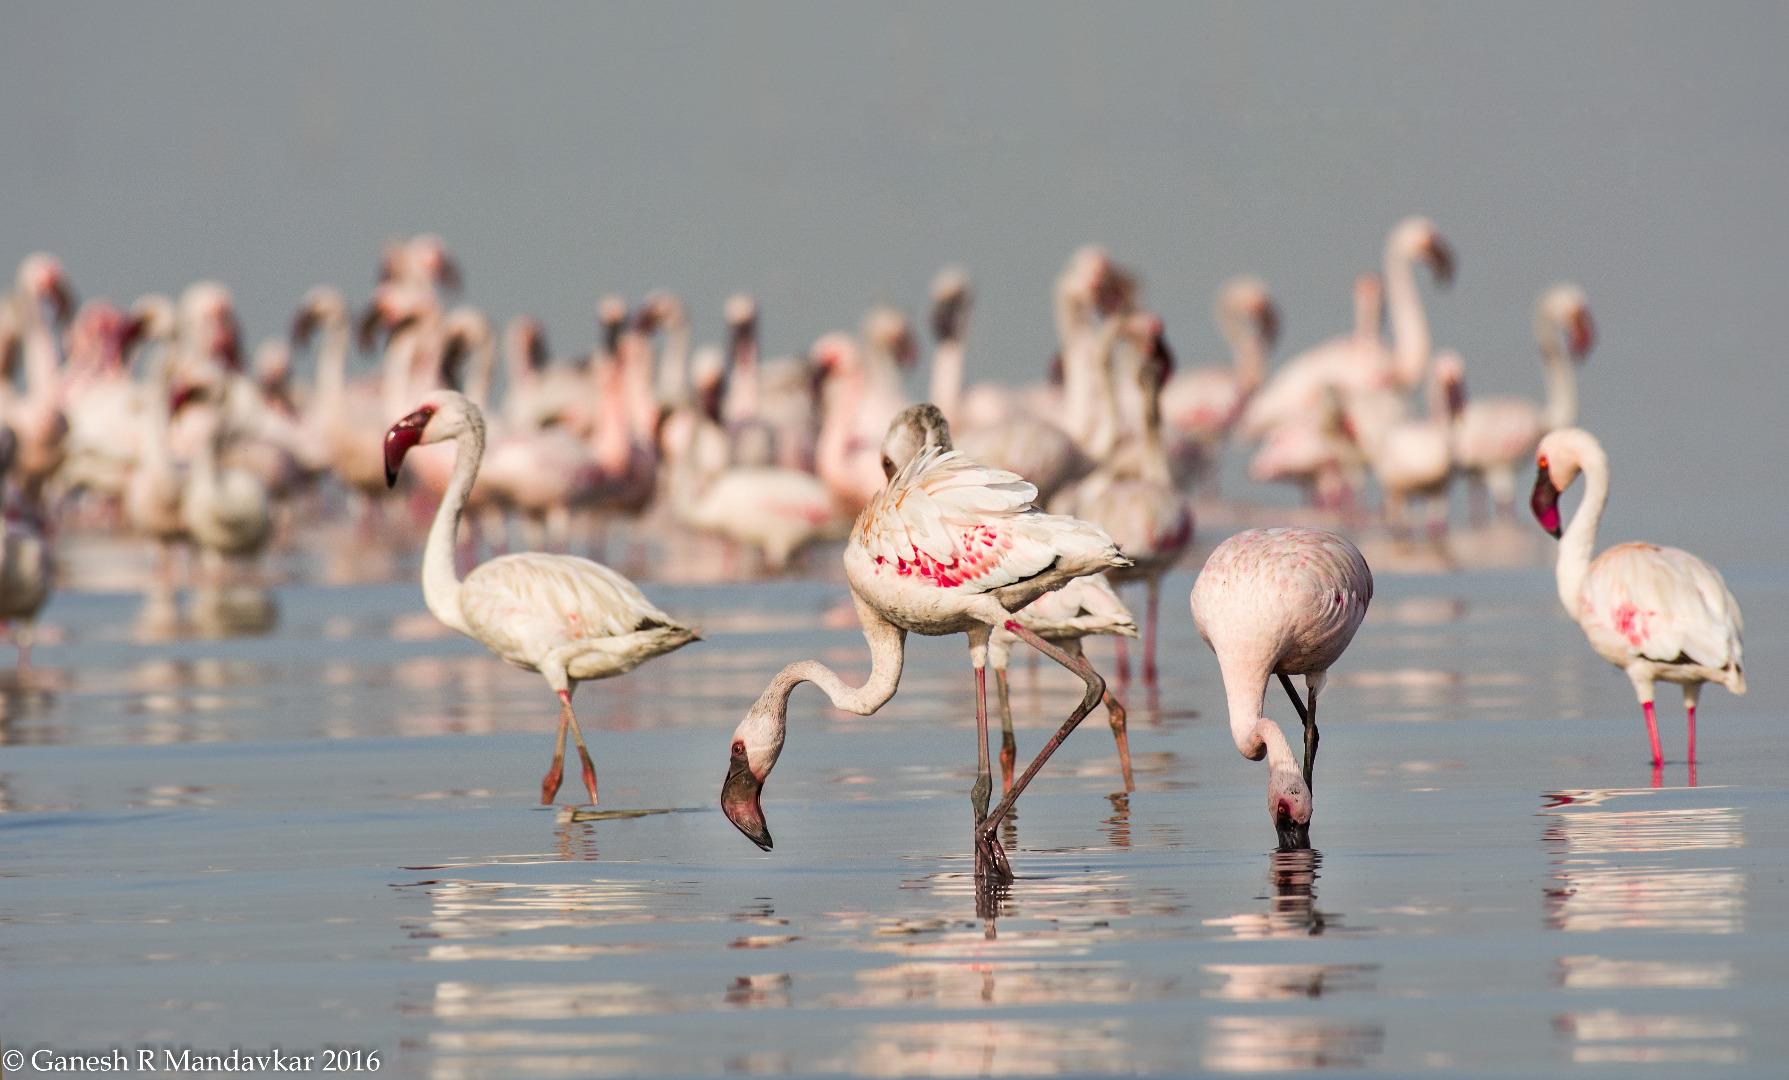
(1652, 733)
(1151, 618)
(1116, 715)
(990, 856)
(984, 781)
(1009, 748)
(549, 784)
(1692, 692)
(1307, 713)
(583, 752)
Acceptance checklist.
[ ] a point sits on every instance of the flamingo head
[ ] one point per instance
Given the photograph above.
(427, 260)
(321, 305)
(526, 340)
(1152, 341)
(887, 329)
(443, 415)
(42, 278)
(1289, 805)
(915, 430)
(950, 303)
(611, 316)
(1565, 307)
(834, 354)
(1558, 460)
(1418, 238)
(757, 742)
(1248, 298)
(1450, 379)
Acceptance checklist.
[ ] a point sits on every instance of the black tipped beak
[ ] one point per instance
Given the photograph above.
(1441, 259)
(1293, 835)
(739, 800)
(1545, 502)
(403, 435)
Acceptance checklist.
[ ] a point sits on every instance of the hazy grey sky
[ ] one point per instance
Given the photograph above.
(825, 157)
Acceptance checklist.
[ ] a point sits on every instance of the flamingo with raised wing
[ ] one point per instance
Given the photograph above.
(946, 547)
(1657, 613)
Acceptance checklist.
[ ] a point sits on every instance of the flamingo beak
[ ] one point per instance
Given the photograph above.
(403, 435)
(739, 800)
(1580, 334)
(304, 324)
(1269, 318)
(1545, 501)
(1441, 259)
(179, 399)
(62, 298)
(449, 274)
(1294, 835)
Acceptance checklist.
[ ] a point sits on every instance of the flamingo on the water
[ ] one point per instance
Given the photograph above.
(947, 547)
(1654, 612)
(1279, 603)
(568, 618)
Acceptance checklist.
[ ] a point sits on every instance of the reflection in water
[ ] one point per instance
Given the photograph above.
(1292, 907)
(1280, 1043)
(1602, 973)
(1283, 982)
(1609, 1036)
(212, 611)
(986, 1048)
(1600, 886)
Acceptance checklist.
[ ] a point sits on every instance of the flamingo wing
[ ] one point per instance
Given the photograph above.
(1670, 606)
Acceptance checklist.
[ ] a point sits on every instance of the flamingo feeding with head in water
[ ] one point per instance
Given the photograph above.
(1279, 603)
(1654, 612)
(568, 618)
(946, 547)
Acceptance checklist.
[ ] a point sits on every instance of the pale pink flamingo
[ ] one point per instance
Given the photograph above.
(27, 566)
(526, 403)
(570, 619)
(104, 406)
(947, 547)
(152, 491)
(848, 463)
(1498, 434)
(422, 260)
(41, 303)
(1657, 613)
(1359, 362)
(774, 510)
(1133, 496)
(1414, 459)
(1200, 405)
(228, 512)
(344, 419)
(1315, 453)
(1277, 603)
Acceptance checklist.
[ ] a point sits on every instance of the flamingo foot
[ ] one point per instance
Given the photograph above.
(978, 796)
(589, 774)
(991, 864)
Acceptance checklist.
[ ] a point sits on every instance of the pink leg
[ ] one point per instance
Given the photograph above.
(1652, 732)
(1690, 712)
(549, 784)
(984, 781)
(583, 751)
(1121, 660)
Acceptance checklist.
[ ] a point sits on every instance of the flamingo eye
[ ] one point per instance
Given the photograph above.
(1541, 461)
(738, 747)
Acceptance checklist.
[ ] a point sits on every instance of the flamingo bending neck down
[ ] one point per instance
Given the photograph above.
(947, 547)
(1654, 612)
(568, 618)
(1280, 602)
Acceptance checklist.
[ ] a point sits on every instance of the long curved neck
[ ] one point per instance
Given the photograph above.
(332, 365)
(1579, 541)
(440, 583)
(741, 405)
(1562, 381)
(43, 359)
(1103, 398)
(1409, 326)
(484, 367)
(1245, 687)
(947, 377)
(673, 364)
(887, 648)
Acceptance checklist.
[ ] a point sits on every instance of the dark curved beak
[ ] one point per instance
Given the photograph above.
(403, 435)
(178, 399)
(1162, 357)
(1545, 502)
(1293, 835)
(62, 299)
(739, 800)
(1456, 397)
(947, 316)
(1269, 319)
(304, 324)
(451, 279)
(366, 330)
(1441, 260)
(1580, 334)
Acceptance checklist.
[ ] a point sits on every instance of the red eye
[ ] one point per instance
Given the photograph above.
(739, 746)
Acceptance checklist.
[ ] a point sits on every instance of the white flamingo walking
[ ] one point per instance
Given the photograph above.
(947, 547)
(1278, 603)
(570, 619)
(1654, 612)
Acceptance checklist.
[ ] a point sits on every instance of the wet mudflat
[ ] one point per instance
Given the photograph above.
(326, 835)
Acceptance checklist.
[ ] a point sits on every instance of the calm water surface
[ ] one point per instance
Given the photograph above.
(326, 835)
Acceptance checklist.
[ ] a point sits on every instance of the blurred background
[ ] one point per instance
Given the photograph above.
(825, 157)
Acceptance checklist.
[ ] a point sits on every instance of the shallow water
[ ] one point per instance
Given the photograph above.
(327, 835)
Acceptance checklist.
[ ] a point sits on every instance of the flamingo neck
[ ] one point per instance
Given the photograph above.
(673, 365)
(43, 360)
(1579, 540)
(440, 583)
(838, 421)
(484, 368)
(887, 649)
(1561, 409)
(1255, 735)
(1102, 399)
(947, 378)
(1409, 326)
(1248, 353)
(332, 367)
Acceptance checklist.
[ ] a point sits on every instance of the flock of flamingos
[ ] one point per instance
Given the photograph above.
(1005, 514)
